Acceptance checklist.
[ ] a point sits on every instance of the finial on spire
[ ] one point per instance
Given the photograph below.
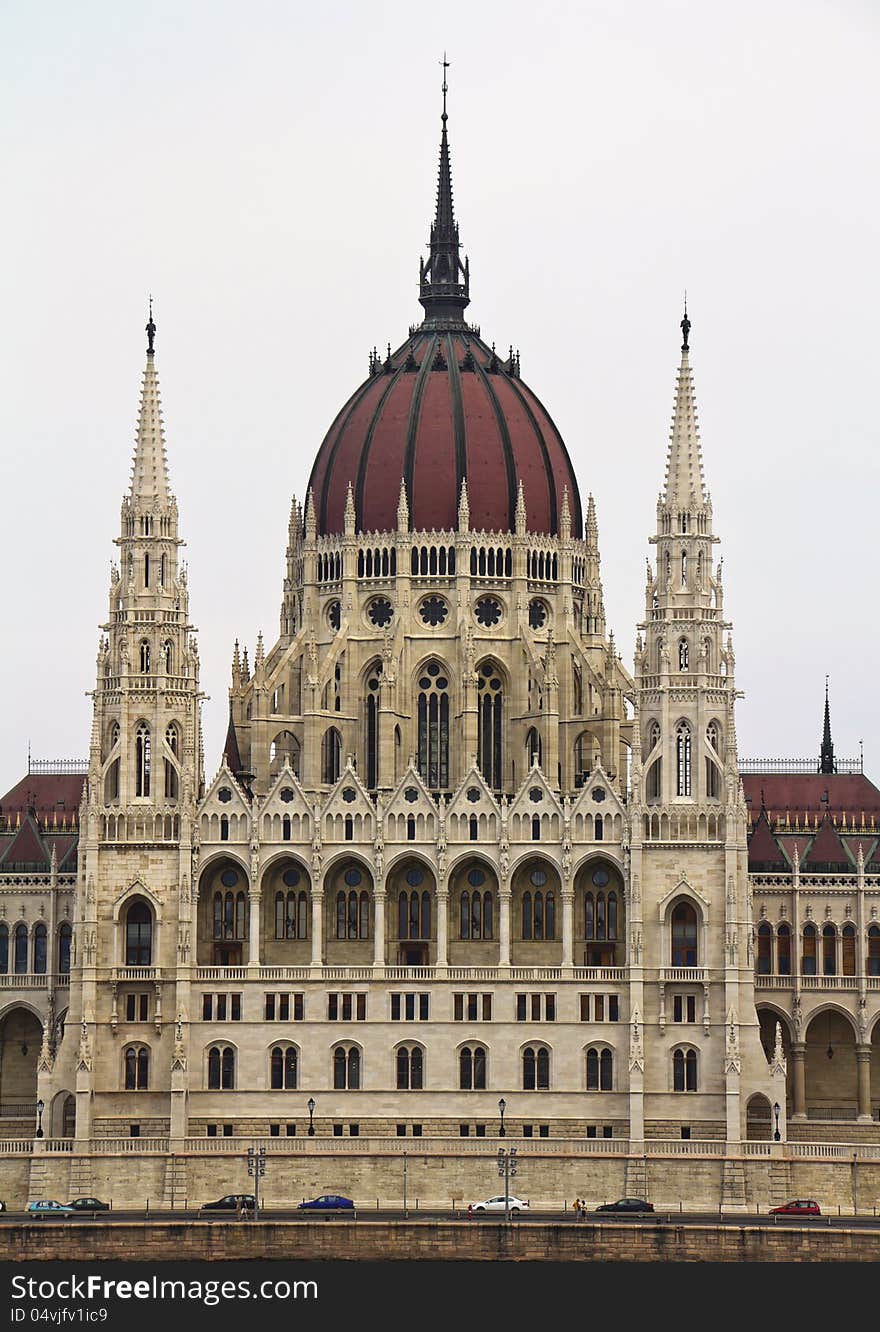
(826, 754)
(685, 325)
(445, 63)
(150, 330)
(444, 279)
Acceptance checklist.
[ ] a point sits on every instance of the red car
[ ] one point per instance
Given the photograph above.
(802, 1207)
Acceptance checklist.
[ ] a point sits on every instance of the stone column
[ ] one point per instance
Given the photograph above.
(379, 898)
(254, 902)
(799, 1088)
(504, 928)
(317, 928)
(442, 926)
(568, 929)
(863, 1068)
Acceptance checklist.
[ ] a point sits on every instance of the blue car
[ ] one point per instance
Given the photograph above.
(327, 1202)
(49, 1207)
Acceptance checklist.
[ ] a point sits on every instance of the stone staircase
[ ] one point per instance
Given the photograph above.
(174, 1192)
(733, 1186)
(636, 1181)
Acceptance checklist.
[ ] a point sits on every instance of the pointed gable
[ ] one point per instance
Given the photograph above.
(597, 814)
(472, 809)
(225, 800)
(27, 850)
(535, 800)
(286, 815)
(349, 799)
(411, 801)
(827, 852)
(765, 853)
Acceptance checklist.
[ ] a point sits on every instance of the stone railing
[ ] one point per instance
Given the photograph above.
(604, 975)
(32, 980)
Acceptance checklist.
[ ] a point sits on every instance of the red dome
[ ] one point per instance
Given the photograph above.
(440, 410)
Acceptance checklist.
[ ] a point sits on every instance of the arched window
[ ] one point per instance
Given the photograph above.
(684, 1070)
(783, 950)
(137, 1068)
(808, 951)
(65, 936)
(433, 710)
(765, 949)
(653, 735)
(873, 958)
(168, 652)
(684, 936)
(291, 913)
(475, 915)
(414, 914)
(534, 748)
(40, 949)
(283, 1068)
(683, 655)
(4, 949)
(600, 1069)
(490, 723)
(346, 1068)
(472, 1068)
(536, 1068)
(138, 935)
(331, 750)
(352, 915)
(409, 1068)
(145, 657)
(653, 784)
(111, 783)
(829, 951)
(848, 951)
(371, 723)
(21, 949)
(221, 1068)
(539, 909)
(142, 760)
(683, 759)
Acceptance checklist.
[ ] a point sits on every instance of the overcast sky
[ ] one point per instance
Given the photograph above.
(268, 172)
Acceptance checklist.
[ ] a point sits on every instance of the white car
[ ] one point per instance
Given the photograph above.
(514, 1205)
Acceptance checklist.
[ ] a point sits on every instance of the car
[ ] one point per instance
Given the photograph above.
(48, 1207)
(500, 1204)
(2, 1205)
(233, 1202)
(328, 1202)
(627, 1205)
(88, 1205)
(800, 1207)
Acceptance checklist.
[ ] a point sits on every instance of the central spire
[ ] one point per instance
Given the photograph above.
(444, 280)
(826, 754)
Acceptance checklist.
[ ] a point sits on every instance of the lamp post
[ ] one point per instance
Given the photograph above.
(777, 1135)
(311, 1107)
(405, 1212)
(506, 1167)
(40, 1108)
(502, 1106)
(256, 1169)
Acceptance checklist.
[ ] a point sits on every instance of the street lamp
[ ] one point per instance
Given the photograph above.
(507, 1167)
(40, 1108)
(311, 1105)
(502, 1106)
(777, 1135)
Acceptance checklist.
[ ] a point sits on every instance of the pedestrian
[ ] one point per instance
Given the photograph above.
(470, 1211)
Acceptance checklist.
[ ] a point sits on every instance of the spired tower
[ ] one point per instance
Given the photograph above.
(691, 948)
(144, 778)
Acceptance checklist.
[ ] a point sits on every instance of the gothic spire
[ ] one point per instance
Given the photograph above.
(826, 755)
(444, 280)
(149, 472)
(685, 487)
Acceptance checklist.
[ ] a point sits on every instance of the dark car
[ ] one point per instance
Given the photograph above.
(88, 1205)
(627, 1205)
(328, 1202)
(233, 1202)
(800, 1207)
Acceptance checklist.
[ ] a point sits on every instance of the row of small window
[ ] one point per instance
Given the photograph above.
(407, 1007)
(409, 1068)
(30, 950)
(832, 956)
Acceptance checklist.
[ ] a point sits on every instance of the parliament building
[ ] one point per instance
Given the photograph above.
(464, 869)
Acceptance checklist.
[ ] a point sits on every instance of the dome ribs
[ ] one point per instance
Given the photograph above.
(367, 451)
(457, 412)
(430, 347)
(491, 509)
(552, 518)
(322, 468)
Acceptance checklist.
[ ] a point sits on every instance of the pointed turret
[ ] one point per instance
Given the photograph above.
(349, 517)
(565, 517)
(464, 508)
(149, 470)
(402, 508)
(826, 754)
(685, 489)
(520, 516)
(591, 530)
(444, 280)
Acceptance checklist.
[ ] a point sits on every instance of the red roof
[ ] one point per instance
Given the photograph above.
(443, 409)
(46, 793)
(764, 852)
(827, 848)
(800, 793)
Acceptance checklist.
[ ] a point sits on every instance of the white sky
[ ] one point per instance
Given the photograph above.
(268, 172)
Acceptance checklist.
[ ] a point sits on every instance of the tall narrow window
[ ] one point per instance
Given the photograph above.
(40, 950)
(684, 1070)
(829, 951)
(848, 951)
(765, 948)
(331, 749)
(808, 954)
(371, 724)
(142, 760)
(684, 936)
(21, 949)
(783, 950)
(873, 950)
(683, 655)
(490, 719)
(433, 710)
(4, 949)
(683, 759)
(145, 658)
(65, 935)
(283, 1068)
(138, 935)
(534, 752)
